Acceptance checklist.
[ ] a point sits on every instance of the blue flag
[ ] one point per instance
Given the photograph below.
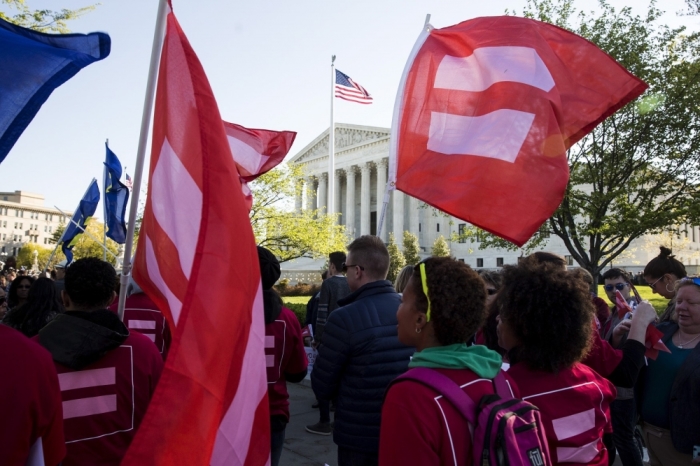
(116, 197)
(86, 209)
(32, 65)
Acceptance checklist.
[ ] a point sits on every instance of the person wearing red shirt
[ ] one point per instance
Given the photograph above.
(443, 304)
(284, 352)
(545, 324)
(31, 431)
(106, 374)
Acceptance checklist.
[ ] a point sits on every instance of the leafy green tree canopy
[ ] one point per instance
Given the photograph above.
(396, 258)
(411, 248)
(42, 20)
(440, 247)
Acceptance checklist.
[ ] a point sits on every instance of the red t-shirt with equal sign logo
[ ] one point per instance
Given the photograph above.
(104, 403)
(141, 315)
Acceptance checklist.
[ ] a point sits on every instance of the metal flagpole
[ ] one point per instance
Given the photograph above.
(163, 10)
(331, 146)
(60, 240)
(104, 206)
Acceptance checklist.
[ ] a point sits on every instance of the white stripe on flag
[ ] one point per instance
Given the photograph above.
(497, 135)
(89, 406)
(570, 426)
(232, 442)
(583, 455)
(245, 156)
(142, 324)
(87, 378)
(154, 274)
(489, 65)
(177, 204)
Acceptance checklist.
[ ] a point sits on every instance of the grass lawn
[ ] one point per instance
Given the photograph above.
(656, 300)
(296, 299)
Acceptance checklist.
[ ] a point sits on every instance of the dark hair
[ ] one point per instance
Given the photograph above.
(612, 274)
(12, 298)
(550, 312)
(89, 283)
(542, 257)
(324, 274)
(489, 329)
(370, 252)
(664, 263)
(457, 298)
(337, 258)
(43, 304)
(582, 274)
(491, 276)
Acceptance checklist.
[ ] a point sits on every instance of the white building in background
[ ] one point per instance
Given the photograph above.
(361, 170)
(24, 219)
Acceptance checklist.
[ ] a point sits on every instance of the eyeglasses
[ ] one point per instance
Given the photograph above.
(657, 281)
(346, 266)
(616, 286)
(491, 291)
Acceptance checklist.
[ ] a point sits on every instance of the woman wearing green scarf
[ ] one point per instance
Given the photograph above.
(443, 305)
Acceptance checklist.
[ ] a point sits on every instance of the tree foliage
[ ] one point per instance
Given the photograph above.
(25, 256)
(285, 232)
(635, 173)
(41, 20)
(86, 246)
(396, 258)
(411, 249)
(440, 247)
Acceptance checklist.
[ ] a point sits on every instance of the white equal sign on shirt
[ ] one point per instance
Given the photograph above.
(88, 406)
(143, 327)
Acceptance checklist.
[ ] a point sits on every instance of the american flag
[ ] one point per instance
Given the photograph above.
(128, 182)
(347, 89)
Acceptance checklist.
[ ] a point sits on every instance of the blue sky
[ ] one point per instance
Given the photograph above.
(268, 62)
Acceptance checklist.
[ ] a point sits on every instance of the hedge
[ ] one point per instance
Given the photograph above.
(299, 310)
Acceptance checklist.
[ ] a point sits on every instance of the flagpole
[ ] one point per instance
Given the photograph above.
(104, 206)
(104, 247)
(60, 240)
(158, 34)
(331, 146)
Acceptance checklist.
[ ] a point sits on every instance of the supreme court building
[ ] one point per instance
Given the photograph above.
(361, 169)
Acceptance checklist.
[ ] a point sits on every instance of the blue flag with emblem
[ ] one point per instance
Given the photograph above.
(32, 65)
(116, 197)
(86, 209)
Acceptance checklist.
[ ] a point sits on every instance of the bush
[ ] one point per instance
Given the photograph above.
(300, 289)
(299, 311)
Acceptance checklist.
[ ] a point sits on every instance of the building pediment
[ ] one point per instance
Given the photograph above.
(346, 137)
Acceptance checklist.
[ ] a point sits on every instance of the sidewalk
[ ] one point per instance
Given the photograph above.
(301, 447)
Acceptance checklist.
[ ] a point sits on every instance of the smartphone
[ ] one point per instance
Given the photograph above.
(696, 451)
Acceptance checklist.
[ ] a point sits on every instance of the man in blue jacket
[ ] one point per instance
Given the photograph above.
(360, 353)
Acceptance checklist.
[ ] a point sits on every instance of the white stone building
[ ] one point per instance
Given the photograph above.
(361, 169)
(24, 219)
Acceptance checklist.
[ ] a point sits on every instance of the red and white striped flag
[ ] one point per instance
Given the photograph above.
(196, 259)
(347, 89)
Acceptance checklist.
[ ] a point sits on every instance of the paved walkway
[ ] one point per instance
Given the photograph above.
(301, 447)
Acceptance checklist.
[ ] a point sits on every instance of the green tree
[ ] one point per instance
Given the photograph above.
(397, 260)
(440, 247)
(635, 173)
(86, 246)
(25, 256)
(285, 232)
(411, 249)
(41, 20)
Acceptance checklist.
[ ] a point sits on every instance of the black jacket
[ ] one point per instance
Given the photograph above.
(359, 355)
(684, 404)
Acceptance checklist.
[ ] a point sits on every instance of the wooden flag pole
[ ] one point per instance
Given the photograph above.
(158, 34)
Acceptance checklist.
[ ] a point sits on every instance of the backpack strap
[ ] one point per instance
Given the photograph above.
(502, 387)
(446, 387)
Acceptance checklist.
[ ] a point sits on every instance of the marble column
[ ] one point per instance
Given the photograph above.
(365, 199)
(336, 193)
(311, 193)
(298, 200)
(350, 201)
(381, 187)
(413, 215)
(322, 192)
(398, 198)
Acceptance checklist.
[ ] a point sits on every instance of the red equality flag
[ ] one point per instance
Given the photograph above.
(653, 339)
(484, 115)
(256, 151)
(196, 259)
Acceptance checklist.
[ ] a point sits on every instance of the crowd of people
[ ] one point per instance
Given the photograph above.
(445, 366)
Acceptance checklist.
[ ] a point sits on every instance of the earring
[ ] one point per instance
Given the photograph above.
(418, 330)
(671, 290)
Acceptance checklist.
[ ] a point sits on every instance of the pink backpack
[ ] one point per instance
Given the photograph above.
(506, 431)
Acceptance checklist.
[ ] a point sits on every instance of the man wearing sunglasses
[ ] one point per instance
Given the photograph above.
(623, 409)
